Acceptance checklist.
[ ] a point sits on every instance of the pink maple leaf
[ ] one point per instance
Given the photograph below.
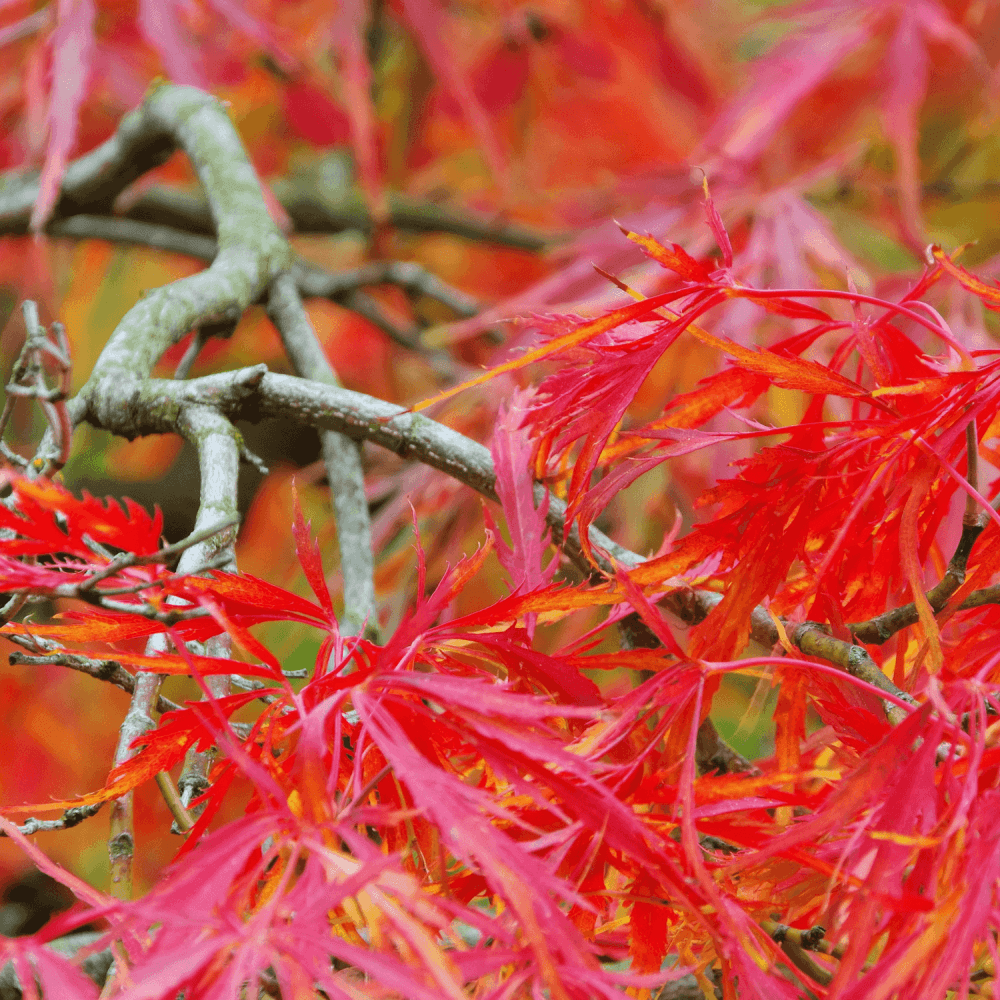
(512, 457)
(72, 45)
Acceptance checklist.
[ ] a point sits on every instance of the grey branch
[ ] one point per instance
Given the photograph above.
(69, 819)
(218, 444)
(129, 231)
(325, 208)
(92, 182)
(251, 249)
(314, 282)
(253, 393)
(813, 639)
(342, 457)
(216, 441)
(88, 589)
(251, 252)
(104, 670)
(344, 287)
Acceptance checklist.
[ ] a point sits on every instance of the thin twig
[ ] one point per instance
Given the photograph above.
(366, 789)
(713, 753)
(126, 559)
(315, 209)
(342, 458)
(365, 306)
(86, 589)
(128, 231)
(69, 819)
(344, 287)
(28, 380)
(103, 670)
(266, 694)
(138, 721)
(412, 278)
(797, 944)
(882, 627)
(182, 818)
(219, 562)
(973, 515)
(185, 364)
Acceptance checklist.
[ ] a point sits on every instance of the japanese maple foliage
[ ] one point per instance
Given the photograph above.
(456, 806)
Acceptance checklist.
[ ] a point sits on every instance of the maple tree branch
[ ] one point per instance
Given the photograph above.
(252, 684)
(125, 559)
(313, 281)
(366, 307)
(715, 755)
(219, 447)
(183, 820)
(199, 339)
(973, 515)
(69, 819)
(85, 591)
(114, 673)
(93, 181)
(712, 752)
(115, 229)
(251, 249)
(138, 721)
(333, 208)
(796, 944)
(811, 939)
(27, 379)
(811, 638)
(415, 280)
(342, 458)
(344, 287)
(254, 392)
(103, 670)
(248, 241)
(321, 211)
(409, 435)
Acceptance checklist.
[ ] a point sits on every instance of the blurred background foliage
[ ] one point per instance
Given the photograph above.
(492, 143)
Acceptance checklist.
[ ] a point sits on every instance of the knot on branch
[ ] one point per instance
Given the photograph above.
(812, 937)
